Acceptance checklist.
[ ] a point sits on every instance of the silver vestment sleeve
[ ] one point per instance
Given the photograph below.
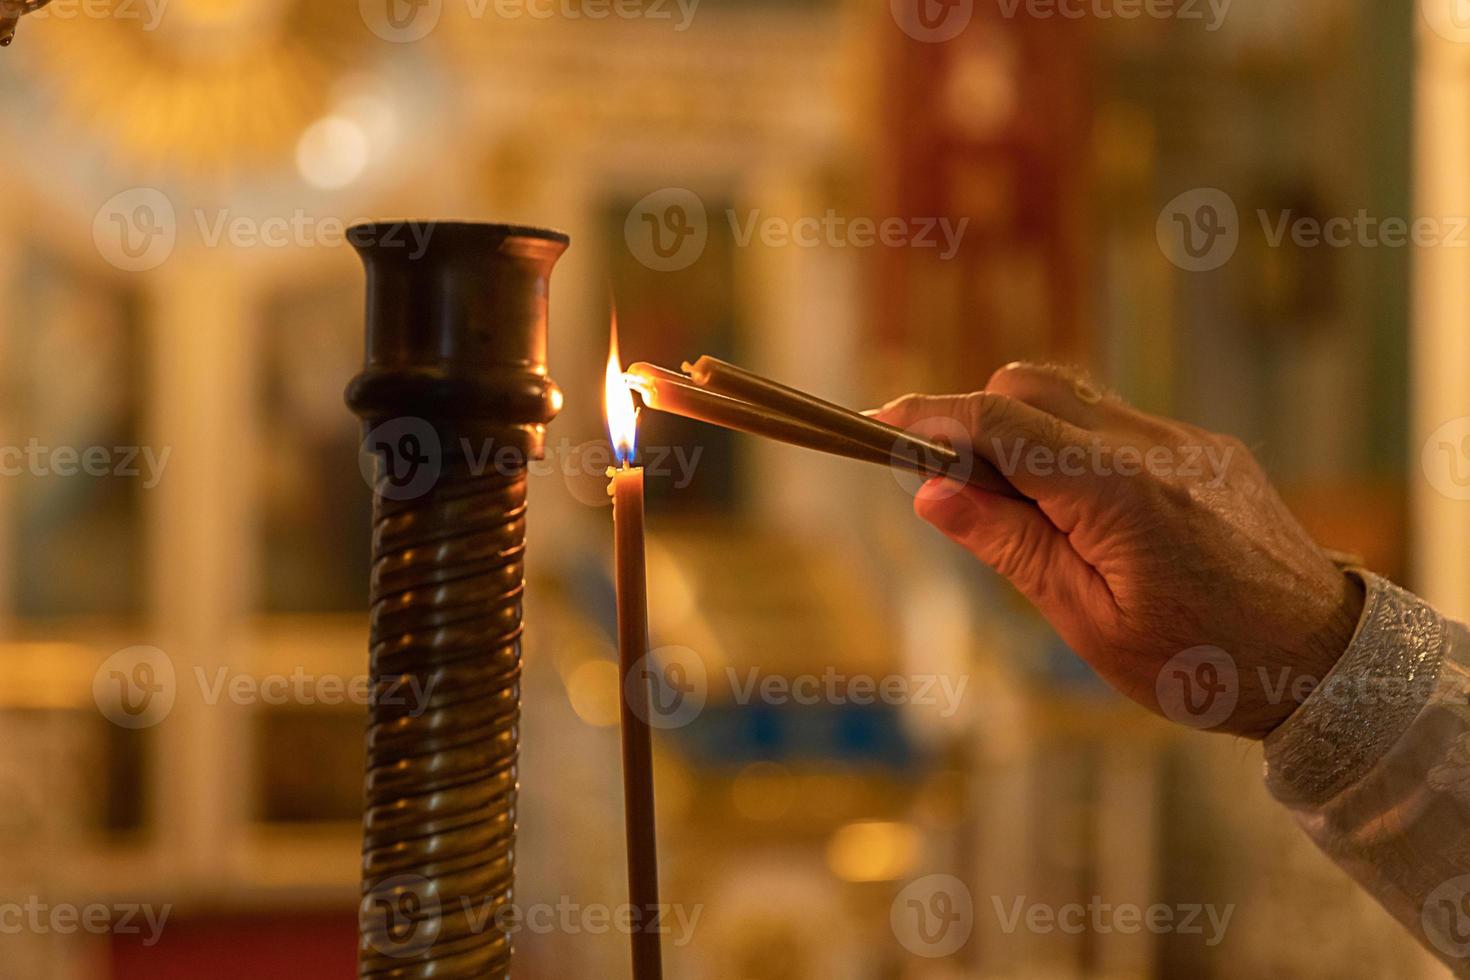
(1375, 766)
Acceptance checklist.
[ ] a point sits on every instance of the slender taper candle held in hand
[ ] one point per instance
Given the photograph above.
(725, 395)
(632, 588)
(668, 391)
(713, 374)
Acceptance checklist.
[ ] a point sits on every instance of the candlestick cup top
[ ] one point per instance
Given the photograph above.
(456, 324)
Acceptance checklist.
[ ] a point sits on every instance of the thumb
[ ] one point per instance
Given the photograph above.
(1017, 540)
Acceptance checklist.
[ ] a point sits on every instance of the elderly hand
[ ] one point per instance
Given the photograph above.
(1159, 551)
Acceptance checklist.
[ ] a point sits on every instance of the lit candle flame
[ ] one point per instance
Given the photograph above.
(622, 413)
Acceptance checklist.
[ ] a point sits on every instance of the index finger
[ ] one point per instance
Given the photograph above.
(1041, 455)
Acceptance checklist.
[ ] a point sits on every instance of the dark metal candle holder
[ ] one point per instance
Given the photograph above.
(456, 365)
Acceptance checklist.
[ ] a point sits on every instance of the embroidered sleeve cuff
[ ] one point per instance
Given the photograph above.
(1365, 704)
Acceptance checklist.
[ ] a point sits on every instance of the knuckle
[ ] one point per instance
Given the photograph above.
(1008, 374)
(993, 406)
(1021, 377)
(1053, 384)
(902, 401)
(1235, 444)
(1020, 557)
(990, 412)
(1013, 422)
(1167, 493)
(899, 411)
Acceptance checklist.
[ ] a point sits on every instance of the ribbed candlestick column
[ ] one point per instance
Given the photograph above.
(454, 398)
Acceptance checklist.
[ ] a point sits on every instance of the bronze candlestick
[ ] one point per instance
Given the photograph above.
(456, 365)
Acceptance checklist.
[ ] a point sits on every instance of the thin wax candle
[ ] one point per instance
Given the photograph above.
(632, 601)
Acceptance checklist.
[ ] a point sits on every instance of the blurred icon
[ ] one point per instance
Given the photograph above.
(668, 229)
(1199, 230)
(1198, 687)
(1446, 458)
(401, 459)
(932, 21)
(135, 687)
(401, 21)
(933, 916)
(136, 230)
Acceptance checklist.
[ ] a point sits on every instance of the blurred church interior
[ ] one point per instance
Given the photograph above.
(793, 826)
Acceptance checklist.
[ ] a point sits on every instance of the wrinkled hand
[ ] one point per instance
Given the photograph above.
(1158, 551)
